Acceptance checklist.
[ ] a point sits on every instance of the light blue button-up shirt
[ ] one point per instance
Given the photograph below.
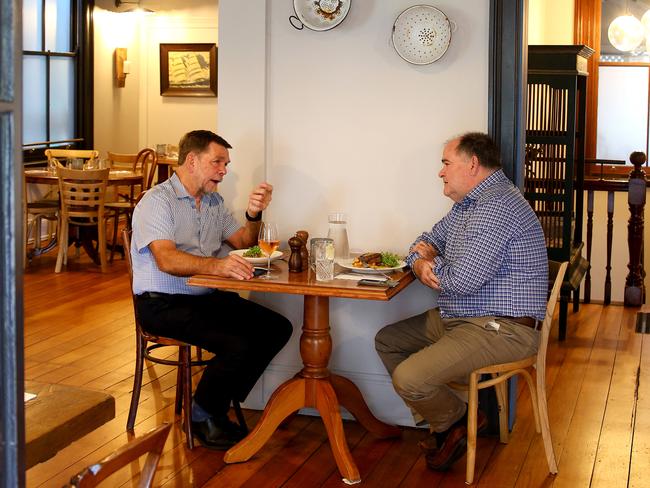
(168, 212)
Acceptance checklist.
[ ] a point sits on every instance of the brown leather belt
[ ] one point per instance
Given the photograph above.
(527, 321)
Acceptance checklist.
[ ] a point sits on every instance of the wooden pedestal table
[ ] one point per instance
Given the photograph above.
(314, 386)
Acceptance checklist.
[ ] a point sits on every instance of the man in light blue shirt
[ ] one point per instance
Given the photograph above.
(179, 227)
(487, 259)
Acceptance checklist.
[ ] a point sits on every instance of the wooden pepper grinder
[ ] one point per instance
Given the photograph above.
(295, 260)
(303, 235)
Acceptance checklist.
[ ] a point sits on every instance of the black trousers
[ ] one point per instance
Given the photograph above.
(243, 335)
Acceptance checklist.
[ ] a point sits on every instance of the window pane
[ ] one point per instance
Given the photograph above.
(34, 99)
(62, 109)
(58, 20)
(622, 111)
(32, 19)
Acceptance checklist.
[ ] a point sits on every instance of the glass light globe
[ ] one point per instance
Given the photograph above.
(645, 21)
(625, 32)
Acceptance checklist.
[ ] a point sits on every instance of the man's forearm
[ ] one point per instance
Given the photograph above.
(180, 263)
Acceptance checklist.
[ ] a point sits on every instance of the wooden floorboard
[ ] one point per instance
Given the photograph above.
(79, 331)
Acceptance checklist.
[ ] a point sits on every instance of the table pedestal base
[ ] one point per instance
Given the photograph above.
(315, 387)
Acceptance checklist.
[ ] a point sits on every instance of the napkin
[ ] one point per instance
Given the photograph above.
(360, 276)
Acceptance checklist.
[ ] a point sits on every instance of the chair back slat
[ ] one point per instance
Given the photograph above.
(151, 444)
(61, 154)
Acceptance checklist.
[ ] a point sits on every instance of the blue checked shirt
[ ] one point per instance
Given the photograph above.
(492, 254)
(168, 212)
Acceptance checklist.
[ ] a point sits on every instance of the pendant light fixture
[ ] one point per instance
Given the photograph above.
(626, 32)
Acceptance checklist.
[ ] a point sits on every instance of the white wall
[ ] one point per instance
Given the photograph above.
(550, 21)
(136, 116)
(336, 120)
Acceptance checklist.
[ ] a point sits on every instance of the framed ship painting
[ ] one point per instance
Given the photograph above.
(188, 70)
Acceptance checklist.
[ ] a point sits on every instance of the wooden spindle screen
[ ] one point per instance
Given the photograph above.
(546, 183)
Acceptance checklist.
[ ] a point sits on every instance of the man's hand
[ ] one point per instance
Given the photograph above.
(425, 250)
(232, 266)
(259, 199)
(422, 269)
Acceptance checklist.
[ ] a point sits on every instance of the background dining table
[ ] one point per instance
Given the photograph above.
(314, 386)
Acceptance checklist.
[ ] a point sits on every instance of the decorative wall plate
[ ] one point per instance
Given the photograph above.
(421, 34)
(319, 15)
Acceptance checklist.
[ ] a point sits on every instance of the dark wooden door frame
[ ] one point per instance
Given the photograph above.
(12, 432)
(507, 82)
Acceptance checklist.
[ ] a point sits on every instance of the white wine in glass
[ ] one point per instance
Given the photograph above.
(268, 242)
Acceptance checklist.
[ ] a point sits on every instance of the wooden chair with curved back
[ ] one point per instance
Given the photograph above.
(501, 373)
(151, 444)
(184, 364)
(82, 194)
(143, 162)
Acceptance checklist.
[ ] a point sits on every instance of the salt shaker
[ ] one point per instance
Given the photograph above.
(295, 260)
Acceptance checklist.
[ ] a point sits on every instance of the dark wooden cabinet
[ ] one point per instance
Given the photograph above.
(555, 155)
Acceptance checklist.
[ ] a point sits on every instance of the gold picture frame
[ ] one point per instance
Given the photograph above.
(188, 70)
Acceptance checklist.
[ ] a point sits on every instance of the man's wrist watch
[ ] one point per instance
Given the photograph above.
(254, 219)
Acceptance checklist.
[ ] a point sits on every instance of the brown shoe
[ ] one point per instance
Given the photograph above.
(429, 445)
(454, 445)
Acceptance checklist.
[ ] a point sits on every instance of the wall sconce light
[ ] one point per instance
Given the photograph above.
(137, 7)
(122, 66)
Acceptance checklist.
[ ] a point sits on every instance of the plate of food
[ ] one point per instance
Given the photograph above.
(373, 262)
(254, 255)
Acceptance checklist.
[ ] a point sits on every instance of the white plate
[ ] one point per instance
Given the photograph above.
(347, 264)
(421, 34)
(262, 260)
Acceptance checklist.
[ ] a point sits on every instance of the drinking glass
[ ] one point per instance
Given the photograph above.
(268, 242)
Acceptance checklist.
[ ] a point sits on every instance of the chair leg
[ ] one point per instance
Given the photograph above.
(180, 378)
(472, 408)
(137, 380)
(240, 416)
(187, 394)
(101, 243)
(533, 398)
(543, 418)
(116, 217)
(62, 256)
(501, 390)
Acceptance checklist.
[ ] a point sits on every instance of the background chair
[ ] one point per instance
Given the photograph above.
(61, 155)
(184, 365)
(143, 162)
(151, 444)
(500, 373)
(82, 195)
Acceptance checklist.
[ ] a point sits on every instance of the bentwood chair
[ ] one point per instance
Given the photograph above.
(82, 194)
(124, 203)
(501, 373)
(183, 364)
(151, 444)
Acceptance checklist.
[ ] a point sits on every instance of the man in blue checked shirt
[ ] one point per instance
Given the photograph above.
(487, 259)
(179, 227)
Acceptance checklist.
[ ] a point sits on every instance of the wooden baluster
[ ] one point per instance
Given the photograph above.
(590, 230)
(610, 228)
(634, 285)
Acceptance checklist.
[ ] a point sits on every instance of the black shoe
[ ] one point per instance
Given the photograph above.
(217, 433)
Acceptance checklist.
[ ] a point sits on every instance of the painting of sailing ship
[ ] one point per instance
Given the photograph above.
(188, 70)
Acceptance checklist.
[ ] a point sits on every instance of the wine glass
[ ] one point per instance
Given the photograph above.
(268, 242)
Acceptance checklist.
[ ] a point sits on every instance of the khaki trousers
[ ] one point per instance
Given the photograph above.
(425, 352)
